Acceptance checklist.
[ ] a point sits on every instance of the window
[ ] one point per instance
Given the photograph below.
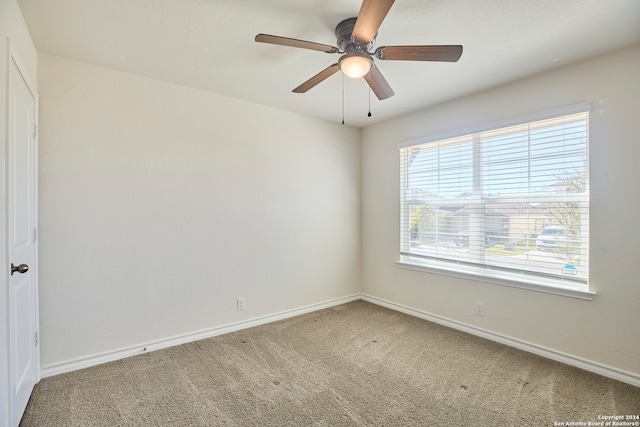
(509, 201)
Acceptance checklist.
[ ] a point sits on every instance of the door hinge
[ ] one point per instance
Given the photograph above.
(35, 235)
(36, 340)
(35, 131)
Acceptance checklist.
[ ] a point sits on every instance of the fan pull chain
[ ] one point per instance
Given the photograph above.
(369, 115)
(343, 98)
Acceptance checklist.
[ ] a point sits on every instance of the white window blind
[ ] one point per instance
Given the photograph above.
(514, 199)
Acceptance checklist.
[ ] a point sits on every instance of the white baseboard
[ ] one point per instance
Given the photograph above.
(587, 365)
(86, 362)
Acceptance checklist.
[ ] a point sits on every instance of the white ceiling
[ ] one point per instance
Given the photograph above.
(209, 45)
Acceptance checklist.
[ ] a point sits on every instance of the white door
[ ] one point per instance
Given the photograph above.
(23, 298)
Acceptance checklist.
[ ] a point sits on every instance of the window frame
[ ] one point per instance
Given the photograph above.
(485, 273)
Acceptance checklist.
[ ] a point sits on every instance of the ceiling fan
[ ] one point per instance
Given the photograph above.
(355, 38)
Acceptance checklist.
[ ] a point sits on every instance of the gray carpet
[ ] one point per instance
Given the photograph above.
(357, 364)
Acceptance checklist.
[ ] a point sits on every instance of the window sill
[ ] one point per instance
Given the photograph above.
(516, 280)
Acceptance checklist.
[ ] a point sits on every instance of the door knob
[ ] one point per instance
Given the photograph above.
(22, 268)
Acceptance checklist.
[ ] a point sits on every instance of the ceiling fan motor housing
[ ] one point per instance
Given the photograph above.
(346, 42)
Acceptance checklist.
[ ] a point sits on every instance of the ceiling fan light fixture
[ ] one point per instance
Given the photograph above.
(355, 65)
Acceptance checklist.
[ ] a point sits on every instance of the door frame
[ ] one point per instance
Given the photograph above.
(6, 395)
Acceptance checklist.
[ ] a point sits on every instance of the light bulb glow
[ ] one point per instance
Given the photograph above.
(355, 66)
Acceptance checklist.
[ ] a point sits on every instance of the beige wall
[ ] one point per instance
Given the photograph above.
(603, 331)
(160, 205)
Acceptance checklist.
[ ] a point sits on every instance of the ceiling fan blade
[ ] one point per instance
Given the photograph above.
(371, 15)
(318, 78)
(446, 53)
(285, 41)
(378, 84)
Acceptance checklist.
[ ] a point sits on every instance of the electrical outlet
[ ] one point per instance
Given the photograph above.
(241, 303)
(480, 308)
